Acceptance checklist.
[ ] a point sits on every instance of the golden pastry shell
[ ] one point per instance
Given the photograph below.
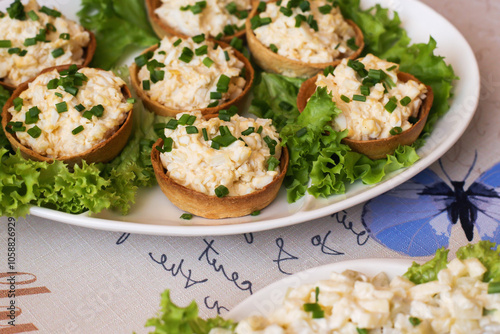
(214, 207)
(163, 110)
(377, 148)
(102, 152)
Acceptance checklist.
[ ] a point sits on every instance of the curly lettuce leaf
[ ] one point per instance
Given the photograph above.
(423, 273)
(488, 253)
(119, 25)
(173, 319)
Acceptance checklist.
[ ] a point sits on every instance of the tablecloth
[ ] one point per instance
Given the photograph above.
(78, 280)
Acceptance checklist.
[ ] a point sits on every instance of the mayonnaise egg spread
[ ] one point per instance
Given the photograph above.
(34, 38)
(308, 31)
(375, 104)
(238, 154)
(458, 302)
(68, 113)
(187, 74)
(210, 17)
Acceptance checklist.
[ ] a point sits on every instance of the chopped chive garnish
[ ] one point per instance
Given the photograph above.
(360, 98)
(376, 74)
(231, 7)
(71, 89)
(146, 85)
(29, 41)
(228, 30)
(345, 98)
(208, 62)
(186, 216)
(18, 103)
(184, 119)
(215, 145)
(218, 38)
(305, 6)
(64, 36)
(23, 53)
(299, 18)
(215, 95)
(236, 43)
(177, 42)
(271, 143)
(226, 55)
(191, 120)
(312, 23)
(35, 132)
(272, 163)
(162, 53)
(131, 100)
(157, 76)
(61, 107)
(171, 124)
(12, 51)
(365, 90)
(77, 130)
(32, 115)
(221, 191)
(202, 50)
(286, 11)
(362, 330)
(57, 52)
(186, 55)
(259, 130)
(414, 321)
(58, 95)
(351, 43)
(337, 46)
(225, 140)
(213, 104)
(261, 7)
(191, 129)
(97, 110)
(223, 83)
(405, 101)
(87, 114)
(493, 287)
(248, 131)
(393, 67)
(33, 16)
(53, 84)
(80, 107)
(198, 38)
(328, 70)
(205, 134)
(301, 132)
(16, 126)
(325, 9)
(273, 47)
(255, 213)
(50, 27)
(396, 130)
(390, 106)
(50, 12)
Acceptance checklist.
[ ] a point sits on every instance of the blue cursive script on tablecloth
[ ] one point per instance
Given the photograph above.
(122, 238)
(248, 238)
(208, 255)
(341, 218)
(178, 269)
(281, 244)
(318, 241)
(215, 305)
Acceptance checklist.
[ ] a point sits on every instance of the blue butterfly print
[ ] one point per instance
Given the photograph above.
(417, 217)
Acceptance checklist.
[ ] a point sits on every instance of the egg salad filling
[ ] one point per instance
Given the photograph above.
(209, 17)
(192, 73)
(375, 104)
(308, 31)
(225, 156)
(352, 303)
(68, 113)
(34, 38)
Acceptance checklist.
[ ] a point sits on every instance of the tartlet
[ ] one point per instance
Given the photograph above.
(162, 29)
(214, 207)
(377, 148)
(102, 152)
(164, 110)
(272, 62)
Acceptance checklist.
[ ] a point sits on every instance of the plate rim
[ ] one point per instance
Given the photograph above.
(396, 178)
